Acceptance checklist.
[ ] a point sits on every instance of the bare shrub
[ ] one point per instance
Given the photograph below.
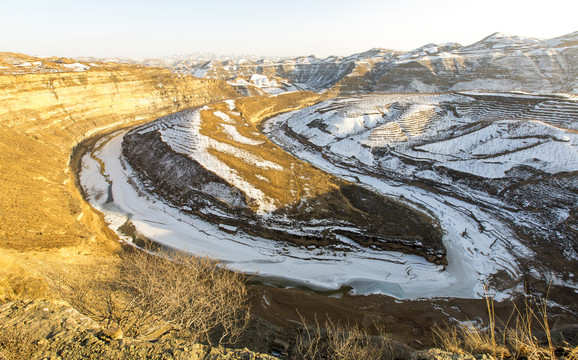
(92, 290)
(149, 292)
(191, 292)
(309, 341)
(342, 342)
(517, 338)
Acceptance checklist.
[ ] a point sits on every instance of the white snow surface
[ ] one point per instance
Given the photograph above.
(478, 244)
(263, 81)
(499, 147)
(366, 271)
(181, 132)
(237, 137)
(410, 126)
(77, 66)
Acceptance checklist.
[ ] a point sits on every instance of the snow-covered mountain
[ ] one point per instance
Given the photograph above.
(498, 62)
(232, 174)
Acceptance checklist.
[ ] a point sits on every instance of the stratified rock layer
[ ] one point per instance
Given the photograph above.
(498, 62)
(43, 116)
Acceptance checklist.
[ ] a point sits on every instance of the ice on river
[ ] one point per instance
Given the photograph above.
(473, 254)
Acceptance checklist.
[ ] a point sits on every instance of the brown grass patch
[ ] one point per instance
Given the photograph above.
(525, 335)
(150, 294)
(293, 180)
(344, 341)
(258, 108)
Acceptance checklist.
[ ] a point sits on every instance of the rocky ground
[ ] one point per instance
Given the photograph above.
(42, 329)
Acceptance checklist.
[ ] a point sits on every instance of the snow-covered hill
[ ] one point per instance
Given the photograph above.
(506, 161)
(499, 62)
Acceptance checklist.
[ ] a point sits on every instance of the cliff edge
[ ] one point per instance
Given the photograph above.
(44, 116)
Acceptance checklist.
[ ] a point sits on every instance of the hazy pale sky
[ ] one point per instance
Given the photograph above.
(147, 28)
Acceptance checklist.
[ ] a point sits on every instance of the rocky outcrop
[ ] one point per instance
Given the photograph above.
(40, 329)
(43, 116)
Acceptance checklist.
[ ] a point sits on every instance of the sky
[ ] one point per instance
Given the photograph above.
(146, 28)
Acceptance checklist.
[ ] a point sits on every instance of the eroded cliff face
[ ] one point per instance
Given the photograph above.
(43, 116)
(498, 62)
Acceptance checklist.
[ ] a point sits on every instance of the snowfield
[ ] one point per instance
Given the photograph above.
(418, 127)
(486, 160)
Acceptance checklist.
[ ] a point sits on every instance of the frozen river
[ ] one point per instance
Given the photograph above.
(474, 252)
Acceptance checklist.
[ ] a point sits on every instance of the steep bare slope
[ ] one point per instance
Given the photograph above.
(43, 116)
(499, 62)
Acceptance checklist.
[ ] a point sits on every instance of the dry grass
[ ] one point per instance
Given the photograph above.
(342, 342)
(258, 108)
(291, 180)
(15, 345)
(525, 335)
(153, 293)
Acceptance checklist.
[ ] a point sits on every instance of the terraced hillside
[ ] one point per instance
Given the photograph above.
(509, 161)
(499, 62)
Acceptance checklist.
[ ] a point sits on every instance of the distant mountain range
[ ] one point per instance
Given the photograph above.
(498, 62)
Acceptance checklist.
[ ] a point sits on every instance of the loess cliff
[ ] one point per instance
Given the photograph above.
(499, 62)
(44, 116)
